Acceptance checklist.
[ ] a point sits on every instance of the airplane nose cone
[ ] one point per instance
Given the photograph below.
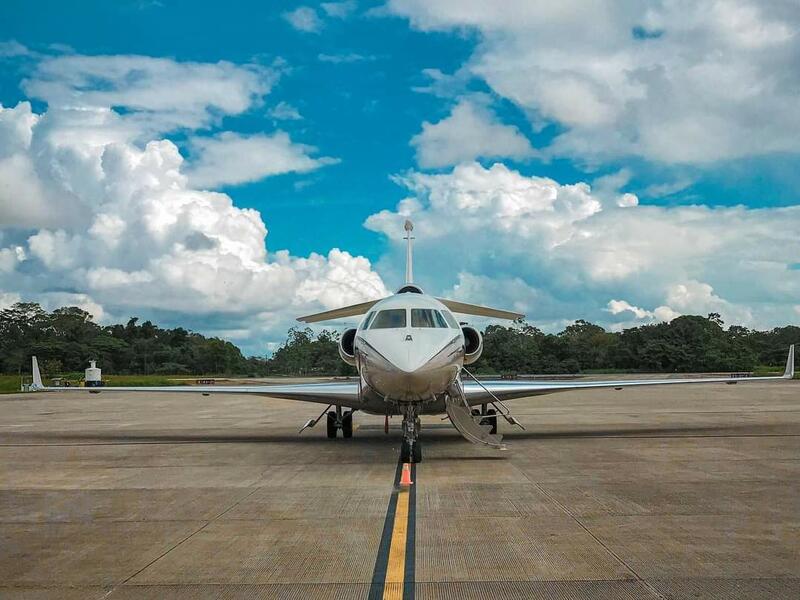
(409, 362)
(410, 351)
(414, 365)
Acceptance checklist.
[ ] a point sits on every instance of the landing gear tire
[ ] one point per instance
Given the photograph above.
(492, 419)
(332, 425)
(489, 418)
(411, 453)
(347, 425)
(411, 449)
(416, 453)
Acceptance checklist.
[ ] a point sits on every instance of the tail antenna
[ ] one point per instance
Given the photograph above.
(409, 227)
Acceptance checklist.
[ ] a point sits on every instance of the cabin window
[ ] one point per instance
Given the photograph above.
(394, 318)
(425, 317)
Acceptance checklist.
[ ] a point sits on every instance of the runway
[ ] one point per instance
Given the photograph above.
(682, 492)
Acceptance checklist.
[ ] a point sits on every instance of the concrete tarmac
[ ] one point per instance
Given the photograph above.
(681, 492)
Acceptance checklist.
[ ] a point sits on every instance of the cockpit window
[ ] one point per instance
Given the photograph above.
(368, 319)
(426, 317)
(451, 320)
(394, 318)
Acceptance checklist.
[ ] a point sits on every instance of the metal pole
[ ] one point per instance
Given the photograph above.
(409, 227)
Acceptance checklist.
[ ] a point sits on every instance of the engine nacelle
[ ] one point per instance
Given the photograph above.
(346, 348)
(473, 344)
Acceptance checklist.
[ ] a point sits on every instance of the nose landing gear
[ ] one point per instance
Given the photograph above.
(411, 449)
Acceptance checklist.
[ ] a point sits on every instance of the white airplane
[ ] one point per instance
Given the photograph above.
(410, 351)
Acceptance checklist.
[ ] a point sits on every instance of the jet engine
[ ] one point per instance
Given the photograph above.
(473, 344)
(346, 350)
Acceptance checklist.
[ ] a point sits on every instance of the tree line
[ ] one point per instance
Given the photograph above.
(688, 343)
(67, 338)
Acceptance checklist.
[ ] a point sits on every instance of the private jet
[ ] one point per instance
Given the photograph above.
(411, 354)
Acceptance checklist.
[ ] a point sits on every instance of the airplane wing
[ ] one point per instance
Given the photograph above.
(454, 305)
(338, 313)
(479, 311)
(480, 392)
(335, 392)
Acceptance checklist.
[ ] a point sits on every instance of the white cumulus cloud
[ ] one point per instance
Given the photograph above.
(340, 10)
(94, 101)
(8, 299)
(283, 111)
(673, 82)
(91, 215)
(471, 131)
(231, 158)
(556, 251)
(159, 94)
(344, 58)
(10, 258)
(304, 18)
(661, 313)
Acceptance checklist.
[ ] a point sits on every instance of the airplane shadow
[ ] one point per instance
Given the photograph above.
(369, 437)
(186, 438)
(683, 431)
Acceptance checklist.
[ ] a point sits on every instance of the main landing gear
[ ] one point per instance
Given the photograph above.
(336, 420)
(411, 448)
(488, 417)
(340, 420)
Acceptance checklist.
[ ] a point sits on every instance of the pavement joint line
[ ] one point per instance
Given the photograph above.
(618, 558)
(358, 584)
(206, 524)
(159, 557)
(109, 521)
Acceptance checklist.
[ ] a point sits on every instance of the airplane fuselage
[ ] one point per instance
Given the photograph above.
(408, 349)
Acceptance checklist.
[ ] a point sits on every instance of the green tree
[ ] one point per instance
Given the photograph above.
(21, 325)
(67, 338)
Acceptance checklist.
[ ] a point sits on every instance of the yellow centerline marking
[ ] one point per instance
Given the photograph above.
(395, 570)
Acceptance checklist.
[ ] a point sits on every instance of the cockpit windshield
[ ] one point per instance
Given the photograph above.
(451, 320)
(393, 318)
(426, 317)
(368, 319)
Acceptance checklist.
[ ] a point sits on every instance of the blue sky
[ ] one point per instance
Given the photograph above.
(362, 112)
(343, 109)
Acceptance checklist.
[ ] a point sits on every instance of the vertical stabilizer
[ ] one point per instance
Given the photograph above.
(788, 373)
(37, 376)
(409, 227)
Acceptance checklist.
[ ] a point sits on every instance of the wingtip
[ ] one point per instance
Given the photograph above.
(465, 308)
(788, 373)
(309, 319)
(37, 376)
